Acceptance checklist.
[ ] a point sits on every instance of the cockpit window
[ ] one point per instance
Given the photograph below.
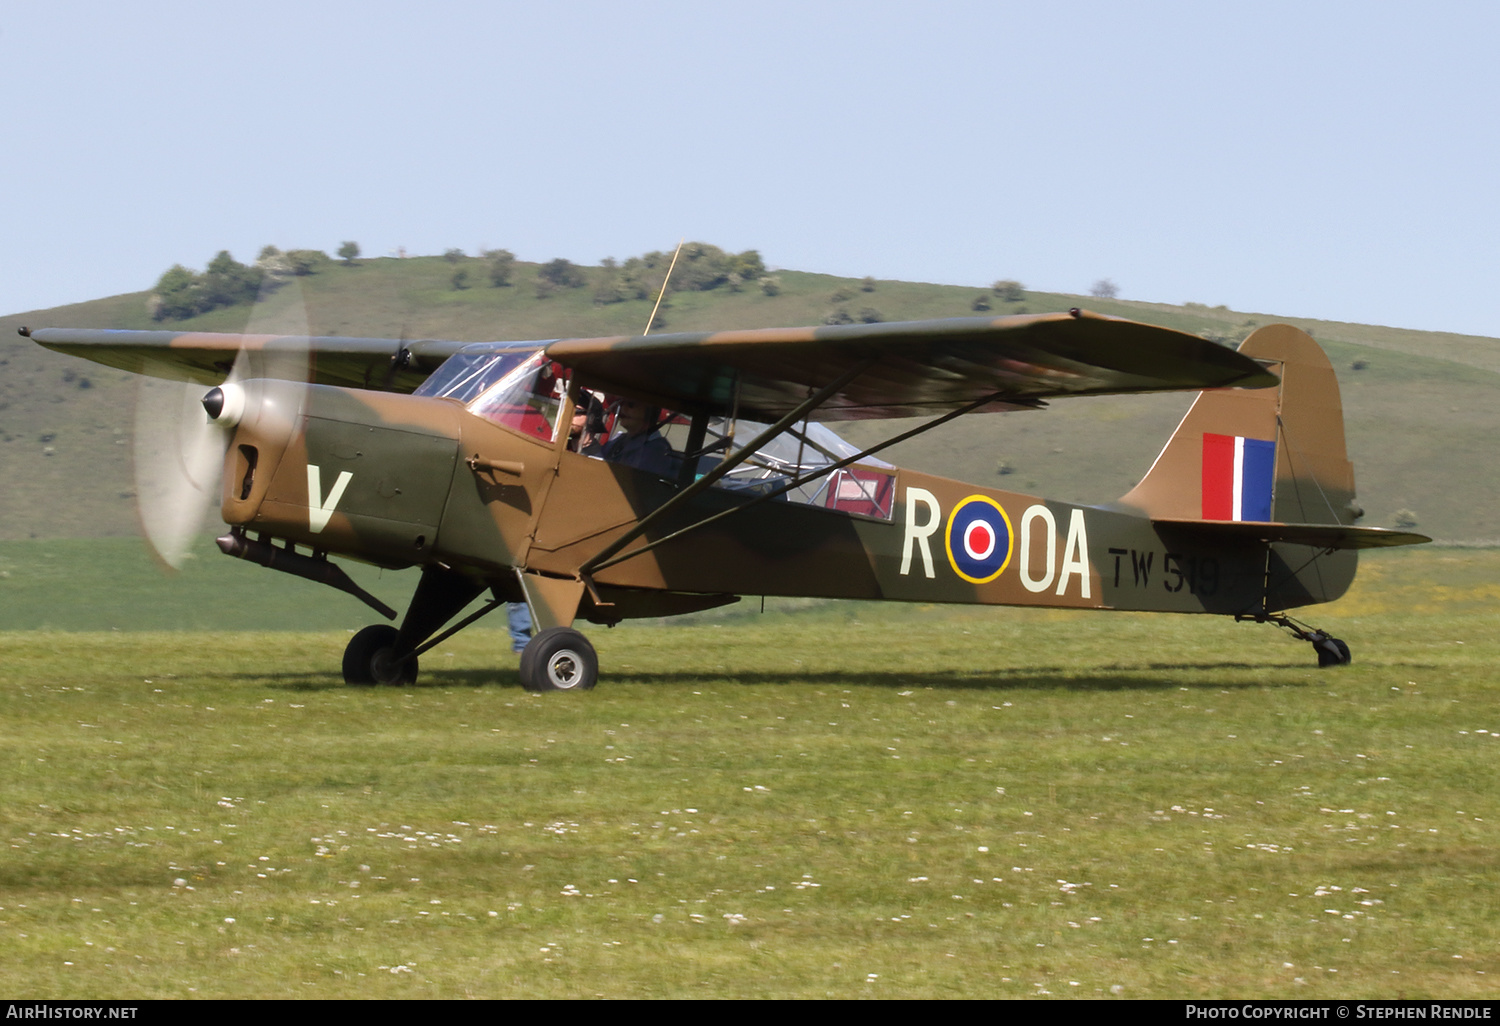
(465, 375)
(522, 390)
(527, 399)
(866, 487)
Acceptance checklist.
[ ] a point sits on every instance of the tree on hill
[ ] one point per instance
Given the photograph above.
(275, 268)
(1009, 291)
(563, 274)
(349, 252)
(641, 277)
(174, 296)
(306, 261)
(227, 282)
(608, 289)
(701, 267)
(1104, 289)
(179, 293)
(502, 266)
(294, 262)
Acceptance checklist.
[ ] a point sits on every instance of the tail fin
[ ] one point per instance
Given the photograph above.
(1255, 455)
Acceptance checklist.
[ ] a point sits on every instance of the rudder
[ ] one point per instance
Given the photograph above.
(1268, 454)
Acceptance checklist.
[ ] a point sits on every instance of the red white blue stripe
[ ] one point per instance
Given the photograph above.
(1239, 474)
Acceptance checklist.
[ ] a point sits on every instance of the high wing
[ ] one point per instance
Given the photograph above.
(206, 357)
(909, 369)
(896, 370)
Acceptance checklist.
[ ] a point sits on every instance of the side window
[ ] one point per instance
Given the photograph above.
(865, 488)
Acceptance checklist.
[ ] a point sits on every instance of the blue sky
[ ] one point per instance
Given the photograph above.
(1329, 160)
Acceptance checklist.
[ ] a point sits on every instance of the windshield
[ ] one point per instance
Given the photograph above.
(464, 375)
(522, 390)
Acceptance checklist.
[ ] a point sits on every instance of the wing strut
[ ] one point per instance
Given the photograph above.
(800, 412)
(604, 560)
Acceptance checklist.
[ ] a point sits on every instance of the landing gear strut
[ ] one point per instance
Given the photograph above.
(1330, 651)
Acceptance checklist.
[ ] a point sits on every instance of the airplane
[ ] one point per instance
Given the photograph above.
(476, 463)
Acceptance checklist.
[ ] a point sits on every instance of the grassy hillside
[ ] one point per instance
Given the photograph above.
(1419, 409)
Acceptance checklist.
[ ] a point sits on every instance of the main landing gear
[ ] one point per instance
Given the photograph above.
(556, 659)
(1330, 651)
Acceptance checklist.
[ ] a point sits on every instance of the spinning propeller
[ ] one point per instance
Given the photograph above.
(183, 435)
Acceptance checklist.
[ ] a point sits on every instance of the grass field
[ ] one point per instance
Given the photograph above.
(831, 799)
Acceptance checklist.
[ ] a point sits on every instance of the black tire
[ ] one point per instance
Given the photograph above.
(559, 659)
(1331, 652)
(367, 659)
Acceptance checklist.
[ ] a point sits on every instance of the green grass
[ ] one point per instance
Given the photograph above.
(832, 799)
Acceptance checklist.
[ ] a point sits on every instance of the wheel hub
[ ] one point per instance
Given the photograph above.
(563, 670)
(383, 668)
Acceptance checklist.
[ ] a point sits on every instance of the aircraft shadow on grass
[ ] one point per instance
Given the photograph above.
(1143, 677)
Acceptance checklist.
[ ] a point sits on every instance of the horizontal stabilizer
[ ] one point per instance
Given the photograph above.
(1322, 536)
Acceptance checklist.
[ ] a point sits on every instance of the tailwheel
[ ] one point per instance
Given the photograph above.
(370, 659)
(559, 659)
(1331, 652)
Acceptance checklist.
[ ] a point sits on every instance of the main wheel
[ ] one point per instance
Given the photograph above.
(559, 659)
(369, 658)
(1331, 652)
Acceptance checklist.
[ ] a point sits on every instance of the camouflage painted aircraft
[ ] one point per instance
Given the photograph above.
(477, 464)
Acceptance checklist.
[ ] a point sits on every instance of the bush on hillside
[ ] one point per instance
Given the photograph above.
(1009, 291)
(502, 267)
(562, 274)
(179, 293)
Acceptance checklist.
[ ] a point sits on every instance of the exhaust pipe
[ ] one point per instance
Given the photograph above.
(289, 561)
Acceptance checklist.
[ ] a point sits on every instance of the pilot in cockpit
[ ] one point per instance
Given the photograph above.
(641, 444)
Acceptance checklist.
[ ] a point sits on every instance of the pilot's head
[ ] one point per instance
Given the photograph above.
(636, 417)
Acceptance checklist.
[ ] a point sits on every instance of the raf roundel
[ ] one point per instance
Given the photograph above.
(979, 539)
